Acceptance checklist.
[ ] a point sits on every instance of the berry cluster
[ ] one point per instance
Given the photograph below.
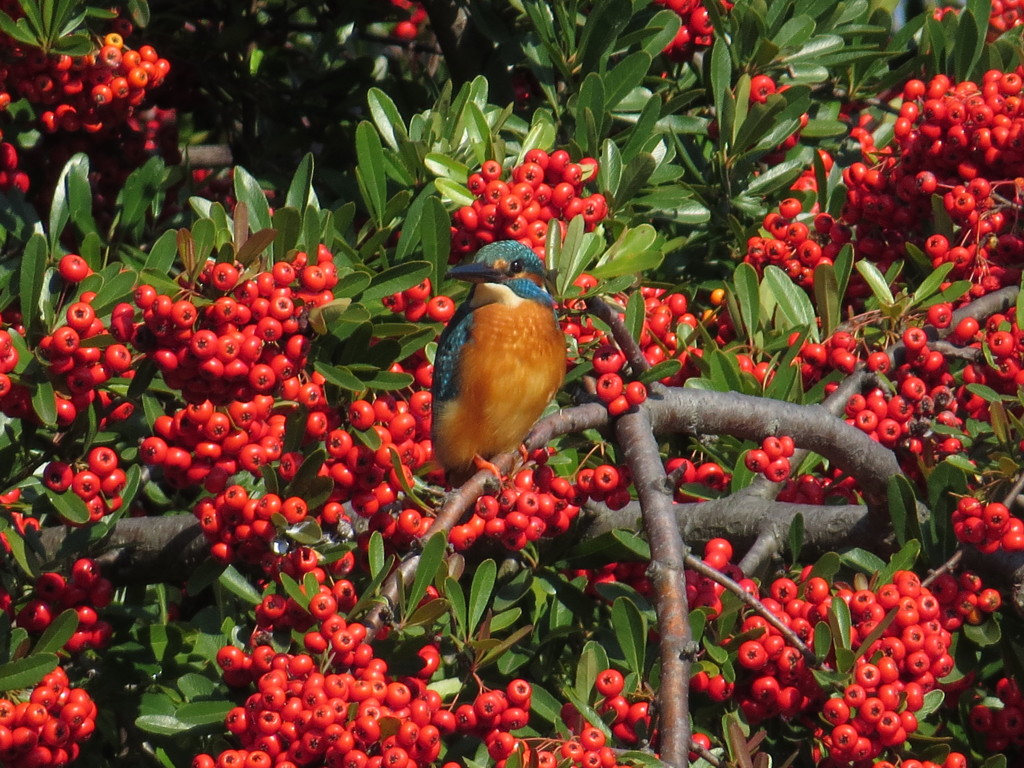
(629, 720)
(229, 350)
(11, 175)
(772, 458)
(241, 528)
(300, 716)
(409, 28)
(347, 710)
(416, 303)
(666, 319)
(84, 93)
(48, 725)
(537, 503)
(1005, 14)
(276, 611)
(1000, 722)
(98, 483)
(619, 396)
(956, 140)
(366, 476)
(12, 397)
(811, 489)
(696, 31)
(875, 710)
(82, 366)
(693, 481)
(702, 592)
(988, 527)
(795, 247)
(545, 188)
(86, 592)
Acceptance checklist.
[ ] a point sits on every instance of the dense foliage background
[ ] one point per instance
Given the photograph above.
(772, 517)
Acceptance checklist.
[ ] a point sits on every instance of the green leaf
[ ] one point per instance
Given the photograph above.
(430, 560)
(162, 725)
(984, 634)
(69, 506)
(840, 622)
(815, 48)
(457, 599)
(630, 628)
(114, 291)
(827, 297)
(446, 167)
(903, 560)
(436, 236)
(606, 20)
(863, 560)
(876, 282)
(395, 279)
(634, 317)
(300, 190)
(44, 402)
(626, 75)
(746, 291)
(721, 82)
(386, 117)
(31, 273)
(234, 582)
(195, 686)
(375, 553)
(58, 633)
(480, 592)
(1019, 308)
(370, 170)
(903, 509)
(632, 252)
(663, 370)
(249, 191)
(199, 713)
(776, 177)
(792, 300)
(60, 205)
(26, 672)
(457, 193)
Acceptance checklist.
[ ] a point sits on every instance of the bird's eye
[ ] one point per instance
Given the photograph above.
(515, 267)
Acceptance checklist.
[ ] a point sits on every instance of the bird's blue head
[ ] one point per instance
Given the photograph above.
(510, 264)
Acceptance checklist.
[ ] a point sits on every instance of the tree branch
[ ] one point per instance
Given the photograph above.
(668, 551)
(752, 418)
(465, 49)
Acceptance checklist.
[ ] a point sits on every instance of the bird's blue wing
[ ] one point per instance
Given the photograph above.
(449, 347)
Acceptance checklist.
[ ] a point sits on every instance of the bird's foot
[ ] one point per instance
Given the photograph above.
(481, 463)
(524, 454)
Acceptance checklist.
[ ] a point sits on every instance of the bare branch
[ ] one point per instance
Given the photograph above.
(811, 426)
(606, 312)
(745, 520)
(668, 551)
(695, 563)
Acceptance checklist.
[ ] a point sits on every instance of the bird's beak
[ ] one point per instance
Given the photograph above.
(476, 272)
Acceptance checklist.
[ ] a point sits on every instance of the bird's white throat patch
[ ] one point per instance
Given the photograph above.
(495, 293)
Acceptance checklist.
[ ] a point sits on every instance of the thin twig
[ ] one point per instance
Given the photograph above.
(605, 312)
(946, 567)
(696, 564)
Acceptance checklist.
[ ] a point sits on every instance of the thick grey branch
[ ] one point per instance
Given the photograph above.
(668, 553)
(697, 411)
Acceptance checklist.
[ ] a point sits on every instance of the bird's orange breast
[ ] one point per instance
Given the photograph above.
(511, 367)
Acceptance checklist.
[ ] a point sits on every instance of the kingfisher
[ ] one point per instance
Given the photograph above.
(499, 362)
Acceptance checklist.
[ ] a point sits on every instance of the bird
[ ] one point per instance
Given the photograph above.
(499, 361)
